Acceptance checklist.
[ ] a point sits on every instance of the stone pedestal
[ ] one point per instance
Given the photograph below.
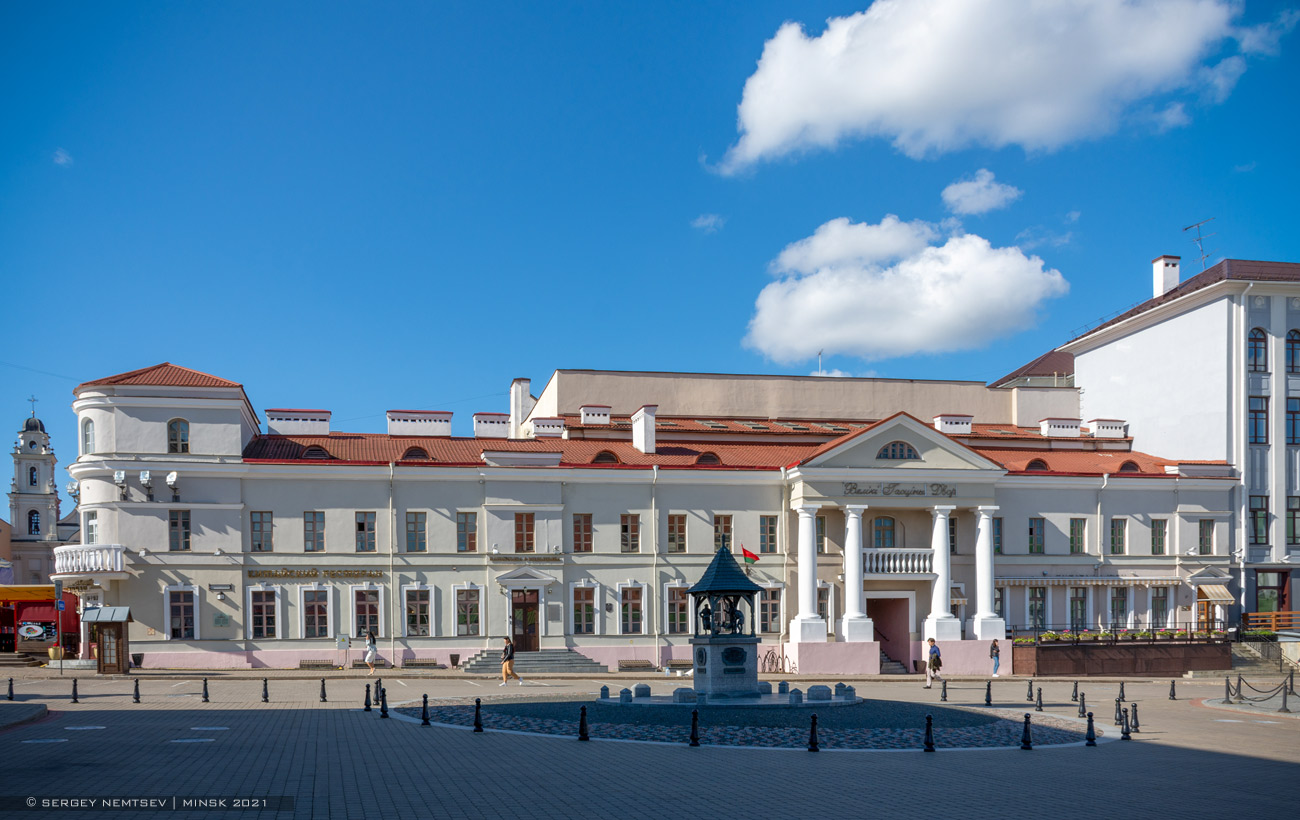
(942, 629)
(808, 630)
(726, 665)
(857, 628)
(985, 629)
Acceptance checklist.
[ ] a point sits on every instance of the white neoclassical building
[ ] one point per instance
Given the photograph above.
(876, 513)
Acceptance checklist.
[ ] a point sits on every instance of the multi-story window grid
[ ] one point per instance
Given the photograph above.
(631, 610)
(417, 612)
(1257, 351)
(366, 603)
(821, 534)
(769, 610)
(1292, 520)
(1119, 607)
(997, 535)
(260, 531)
(584, 610)
(952, 534)
(1078, 608)
(366, 532)
(824, 603)
(417, 532)
(525, 532)
(316, 611)
(313, 531)
(467, 532)
(178, 436)
(1293, 351)
(467, 603)
(1078, 535)
(1037, 607)
(1258, 520)
(721, 532)
(767, 533)
(91, 535)
(629, 532)
(1037, 529)
(1159, 533)
(180, 604)
(1118, 529)
(582, 532)
(178, 530)
(1159, 607)
(679, 611)
(263, 615)
(1258, 421)
(677, 533)
(1293, 421)
(1205, 536)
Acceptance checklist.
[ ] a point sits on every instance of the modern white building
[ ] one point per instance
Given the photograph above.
(879, 512)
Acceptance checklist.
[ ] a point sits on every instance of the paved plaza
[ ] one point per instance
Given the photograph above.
(1190, 759)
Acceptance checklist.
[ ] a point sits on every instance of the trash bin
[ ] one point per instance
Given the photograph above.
(137, 659)
(455, 660)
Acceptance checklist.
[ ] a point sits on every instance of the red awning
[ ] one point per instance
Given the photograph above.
(45, 612)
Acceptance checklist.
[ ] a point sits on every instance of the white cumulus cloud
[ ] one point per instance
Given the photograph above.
(979, 195)
(845, 290)
(708, 223)
(939, 75)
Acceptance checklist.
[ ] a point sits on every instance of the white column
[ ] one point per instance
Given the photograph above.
(940, 624)
(855, 625)
(986, 624)
(807, 626)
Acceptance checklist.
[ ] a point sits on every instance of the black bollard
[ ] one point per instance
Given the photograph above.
(383, 703)
(136, 696)
(1029, 696)
(1238, 700)
(379, 684)
(1090, 739)
(582, 724)
(1172, 694)
(988, 693)
(1119, 718)
(478, 714)
(1135, 717)
(266, 694)
(1121, 691)
(1083, 704)
(1074, 693)
(943, 691)
(1284, 710)
(1291, 686)
(1038, 705)
(367, 707)
(322, 691)
(1227, 690)
(695, 727)
(205, 691)
(74, 691)
(1123, 731)
(424, 712)
(11, 689)
(929, 733)
(1026, 739)
(812, 735)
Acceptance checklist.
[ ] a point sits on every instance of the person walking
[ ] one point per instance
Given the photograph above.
(508, 663)
(933, 664)
(372, 652)
(995, 654)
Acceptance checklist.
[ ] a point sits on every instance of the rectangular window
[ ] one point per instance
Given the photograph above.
(721, 532)
(1258, 422)
(821, 534)
(261, 531)
(1159, 607)
(262, 618)
(679, 611)
(1259, 519)
(1078, 608)
(1292, 516)
(1205, 536)
(952, 534)
(180, 604)
(467, 533)
(367, 610)
(1000, 602)
(1118, 529)
(316, 613)
(582, 532)
(1037, 607)
(525, 532)
(365, 532)
(313, 531)
(629, 533)
(417, 611)
(631, 610)
(1037, 528)
(467, 612)
(997, 535)
(1159, 531)
(767, 533)
(769, 610)
(1293, 421)
(178, 530)
(417, 528)
(677, 533)
(1078, 535)
(1119, 608)
(824, 603)
(92, 528)
(584, 610)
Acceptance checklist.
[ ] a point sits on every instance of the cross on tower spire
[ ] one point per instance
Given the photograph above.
(33, 400)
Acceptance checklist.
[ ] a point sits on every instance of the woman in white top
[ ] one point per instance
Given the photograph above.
(372, 651)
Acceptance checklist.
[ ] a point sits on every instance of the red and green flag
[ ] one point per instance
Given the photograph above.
(750, 558)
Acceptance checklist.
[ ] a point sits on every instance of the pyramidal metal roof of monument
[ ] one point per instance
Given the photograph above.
(724, 575)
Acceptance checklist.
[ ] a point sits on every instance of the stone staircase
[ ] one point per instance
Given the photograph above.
(888, 666)
(18, 660)
(542, 662)
(1247, 662)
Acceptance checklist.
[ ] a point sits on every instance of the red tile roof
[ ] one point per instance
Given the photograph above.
(165, 374)
(1077, 462)
(1051, 363)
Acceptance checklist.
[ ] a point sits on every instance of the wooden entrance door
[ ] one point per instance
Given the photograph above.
(112, 649)
(523, 619)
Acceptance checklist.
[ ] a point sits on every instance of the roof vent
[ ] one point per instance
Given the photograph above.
(548, 428)
(1164, 274)
(1108, 428)
(643, 428)
(419, 423)
(292, 422)
(1059, 428)
(491, 425)
(594, 413)
(953, 424)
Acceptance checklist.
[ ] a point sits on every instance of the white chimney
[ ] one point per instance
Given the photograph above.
(548, 428)
(491, 425)
(291, 422)
(953, 424)
(1059, 428)
(1108, 428)
(1164, 274)
(643, 428)
(419, 423)
(594, 413)
(521, 404)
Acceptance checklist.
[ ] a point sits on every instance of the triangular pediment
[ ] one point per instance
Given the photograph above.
(526, 575)
(878, 447)
(1209, 575)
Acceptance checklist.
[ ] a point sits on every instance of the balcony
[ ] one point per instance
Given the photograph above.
(95, 562)
(897, 562)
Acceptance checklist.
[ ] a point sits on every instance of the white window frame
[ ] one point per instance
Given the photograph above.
(830, 601)
(90, 527)
(597, 603)
(1128, 601)
(780, 609)
(330, 608)
(433, 602)
(483, 632)
(428, 518)
(87, 441)
(167, 611)
(279, 611)
(1047, 606)
(618, 606)
(690, 614)
(353, 589)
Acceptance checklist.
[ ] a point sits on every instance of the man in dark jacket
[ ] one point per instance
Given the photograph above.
(508, 663)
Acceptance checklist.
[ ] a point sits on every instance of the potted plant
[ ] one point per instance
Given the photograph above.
(56, 653)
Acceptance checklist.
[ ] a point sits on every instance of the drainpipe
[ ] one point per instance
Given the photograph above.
(394, 589)
(485, 551)
(1105, 479)
(654, 535)
(1243, 450)
(785, 566)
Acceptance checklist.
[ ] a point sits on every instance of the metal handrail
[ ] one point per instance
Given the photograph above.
(1186, 633)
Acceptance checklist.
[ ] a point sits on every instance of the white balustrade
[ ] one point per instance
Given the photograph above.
(89, 559)
(897, 561)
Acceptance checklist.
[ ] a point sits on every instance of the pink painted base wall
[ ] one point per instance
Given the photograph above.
(966, 657)
(839, 658)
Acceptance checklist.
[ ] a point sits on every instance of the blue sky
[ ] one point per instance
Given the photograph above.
(367, 206)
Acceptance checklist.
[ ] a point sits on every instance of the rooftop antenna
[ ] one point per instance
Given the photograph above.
(1199, 241)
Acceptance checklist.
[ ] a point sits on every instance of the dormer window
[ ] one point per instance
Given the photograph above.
(1257, 351)
(415, 454)
(1036, 466)
(605, 457)
(315, 452)
(897, 451)
(1130, 467)
(708, 459)
(178, 436)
